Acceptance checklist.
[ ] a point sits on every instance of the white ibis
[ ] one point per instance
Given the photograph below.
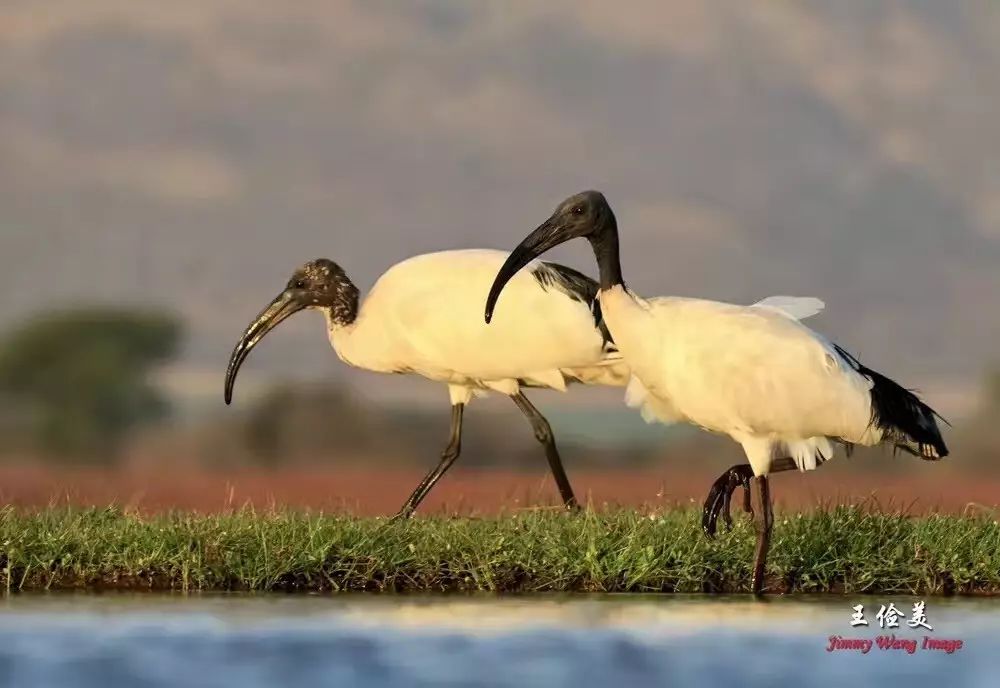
(776, 387)
(423, 317)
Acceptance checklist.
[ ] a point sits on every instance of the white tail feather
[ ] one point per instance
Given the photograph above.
(809, 453)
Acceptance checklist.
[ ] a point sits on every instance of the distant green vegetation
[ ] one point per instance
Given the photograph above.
(844, 550)
(78, 379)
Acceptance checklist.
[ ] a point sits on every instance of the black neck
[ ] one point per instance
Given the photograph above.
(605, 244)
(344, 308)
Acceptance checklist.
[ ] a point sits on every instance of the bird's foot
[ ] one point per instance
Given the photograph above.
(403, 514)
(721, 493)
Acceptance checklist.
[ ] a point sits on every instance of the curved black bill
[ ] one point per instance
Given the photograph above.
(535, 244)
(286, 304)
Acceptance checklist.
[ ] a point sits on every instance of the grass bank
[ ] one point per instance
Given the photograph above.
(842, 550)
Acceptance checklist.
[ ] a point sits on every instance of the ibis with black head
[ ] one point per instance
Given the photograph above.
(785, 393)
(422, 317)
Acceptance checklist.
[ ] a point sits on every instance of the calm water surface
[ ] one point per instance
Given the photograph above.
(255, 641)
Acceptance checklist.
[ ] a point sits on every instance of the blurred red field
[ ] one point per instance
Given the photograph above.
(373, 492)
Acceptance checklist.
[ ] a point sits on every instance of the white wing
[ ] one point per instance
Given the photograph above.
(795, 307)
(658, 409)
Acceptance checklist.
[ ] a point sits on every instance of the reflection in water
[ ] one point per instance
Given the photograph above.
(85, 640)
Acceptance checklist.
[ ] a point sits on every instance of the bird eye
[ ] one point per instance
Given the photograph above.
(577, 210)
(299, 284)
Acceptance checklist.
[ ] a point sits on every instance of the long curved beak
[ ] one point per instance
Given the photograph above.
(287, 303)
(548, 235)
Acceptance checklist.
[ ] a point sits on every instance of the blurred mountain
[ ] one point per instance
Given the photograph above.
(193, 153)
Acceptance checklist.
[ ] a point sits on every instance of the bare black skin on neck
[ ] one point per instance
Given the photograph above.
(584, 215)
(605, 244)
(318, 284)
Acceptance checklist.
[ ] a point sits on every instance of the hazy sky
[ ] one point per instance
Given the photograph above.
(193, 153)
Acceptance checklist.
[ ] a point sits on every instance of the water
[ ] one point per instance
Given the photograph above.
(367, 641)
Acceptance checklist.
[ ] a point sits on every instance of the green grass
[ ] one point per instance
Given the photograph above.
(842, 550)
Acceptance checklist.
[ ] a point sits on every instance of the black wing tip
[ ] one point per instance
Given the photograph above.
(572, 282)
(577, 286)
(940, 447)
(909, 422)
(905, 420)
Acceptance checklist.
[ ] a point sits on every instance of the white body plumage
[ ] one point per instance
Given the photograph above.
(424, 316)
(755, 374)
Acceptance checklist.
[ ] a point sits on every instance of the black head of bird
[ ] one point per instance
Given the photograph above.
(582, 215)
(319, 284)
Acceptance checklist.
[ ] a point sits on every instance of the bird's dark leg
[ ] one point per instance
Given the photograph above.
(543, 433)
(448, 457)
(764, 521)
(721, 492)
